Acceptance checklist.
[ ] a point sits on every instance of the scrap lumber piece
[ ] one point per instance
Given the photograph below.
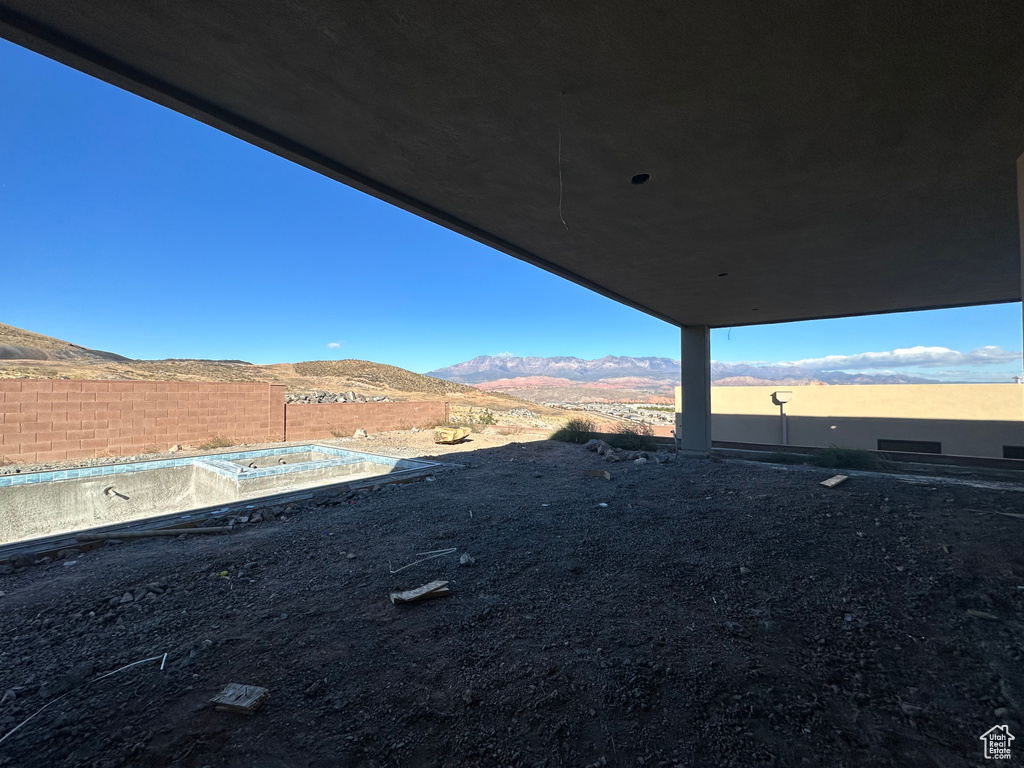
(148, 534)
(982, 615)
(835, 480)
(1009, 514)
(427, 591)
(597, 473)
(245, 699)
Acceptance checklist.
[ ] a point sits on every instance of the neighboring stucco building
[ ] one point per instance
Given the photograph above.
(956, 419)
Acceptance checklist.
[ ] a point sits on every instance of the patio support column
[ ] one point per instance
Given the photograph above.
(693, 401)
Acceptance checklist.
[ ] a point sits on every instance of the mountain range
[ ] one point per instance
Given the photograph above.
(622, 377)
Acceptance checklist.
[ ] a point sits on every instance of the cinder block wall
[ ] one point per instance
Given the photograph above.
(53, 420)
(319, 421)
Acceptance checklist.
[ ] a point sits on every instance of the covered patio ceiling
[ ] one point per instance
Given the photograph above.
(805, 159)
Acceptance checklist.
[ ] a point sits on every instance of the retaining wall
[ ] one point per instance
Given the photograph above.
(52, 420)
(312, 421)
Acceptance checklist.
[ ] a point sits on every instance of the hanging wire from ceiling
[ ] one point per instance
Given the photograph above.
(561, 111)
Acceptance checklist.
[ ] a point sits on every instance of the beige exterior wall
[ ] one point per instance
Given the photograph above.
(967, 419)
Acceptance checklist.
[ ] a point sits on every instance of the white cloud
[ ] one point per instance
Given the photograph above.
(921, 357)
(335, 345)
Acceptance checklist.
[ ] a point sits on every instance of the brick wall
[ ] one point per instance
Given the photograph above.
(53, 420)
(315, 421)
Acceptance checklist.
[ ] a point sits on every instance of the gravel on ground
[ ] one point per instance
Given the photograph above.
(691, 613)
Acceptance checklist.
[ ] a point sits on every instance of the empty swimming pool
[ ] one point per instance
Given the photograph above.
(45, 503)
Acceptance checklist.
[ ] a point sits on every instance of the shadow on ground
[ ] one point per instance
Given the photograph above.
(713, 613)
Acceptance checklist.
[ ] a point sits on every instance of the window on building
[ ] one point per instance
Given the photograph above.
(910, 446)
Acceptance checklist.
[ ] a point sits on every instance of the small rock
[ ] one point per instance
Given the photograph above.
(744, 571)
(127, 598)
(735, 629)
(467, 559)
(641, 460)
(1001, 712)
(360, 433)
(537, 474)
(350, 556)
(174, 448)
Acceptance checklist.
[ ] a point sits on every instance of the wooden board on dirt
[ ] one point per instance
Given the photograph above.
(245, 699)
(427, 591)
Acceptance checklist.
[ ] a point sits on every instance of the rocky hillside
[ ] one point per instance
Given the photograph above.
(19, 344)
(379, 375)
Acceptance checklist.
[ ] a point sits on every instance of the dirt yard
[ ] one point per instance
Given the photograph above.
(713, 613)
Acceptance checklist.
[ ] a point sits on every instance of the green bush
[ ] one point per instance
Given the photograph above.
(576, 430)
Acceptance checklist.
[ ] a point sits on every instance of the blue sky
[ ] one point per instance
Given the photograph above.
(128, 227)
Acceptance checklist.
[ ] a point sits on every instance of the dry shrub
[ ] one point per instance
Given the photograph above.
(216, 442)
(633, 436)
(576, 430)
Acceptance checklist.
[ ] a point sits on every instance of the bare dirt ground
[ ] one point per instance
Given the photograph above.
(713, 613)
